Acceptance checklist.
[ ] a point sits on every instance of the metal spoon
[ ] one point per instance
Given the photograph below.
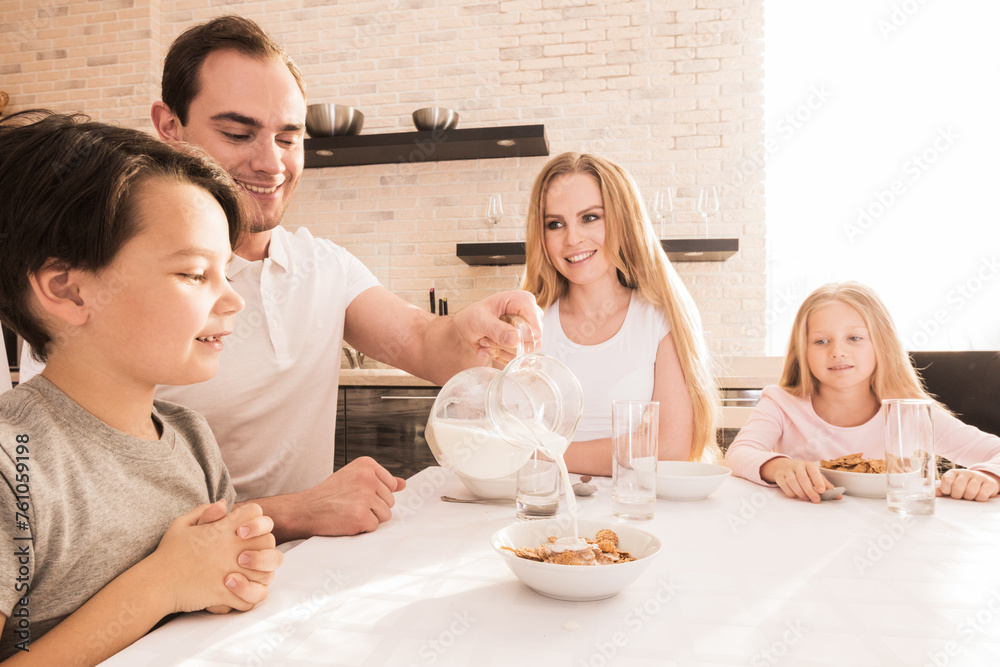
(480, 501)
(581, 488)
(830, 494)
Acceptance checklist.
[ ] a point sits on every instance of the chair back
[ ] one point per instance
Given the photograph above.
(967, 382)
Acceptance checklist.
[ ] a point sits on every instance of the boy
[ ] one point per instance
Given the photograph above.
(113, 250)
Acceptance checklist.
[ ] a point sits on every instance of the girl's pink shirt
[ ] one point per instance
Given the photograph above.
(785, 425)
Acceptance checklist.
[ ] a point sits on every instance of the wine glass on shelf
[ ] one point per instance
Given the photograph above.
(708, 204)
(494, 211)
(663, 207)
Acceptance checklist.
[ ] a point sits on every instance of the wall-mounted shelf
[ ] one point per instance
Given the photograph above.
(678, 250)
(429, 146)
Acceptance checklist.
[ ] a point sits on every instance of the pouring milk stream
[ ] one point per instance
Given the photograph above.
(486, 422)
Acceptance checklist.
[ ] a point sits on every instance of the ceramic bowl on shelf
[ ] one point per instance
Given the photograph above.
(688, 480)
(329, 120)
(575, 582)
(435, 118)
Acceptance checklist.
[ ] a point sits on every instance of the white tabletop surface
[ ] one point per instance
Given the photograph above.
(746, 577)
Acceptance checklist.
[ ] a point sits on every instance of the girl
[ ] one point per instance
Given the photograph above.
(843, 358)
(616, 312)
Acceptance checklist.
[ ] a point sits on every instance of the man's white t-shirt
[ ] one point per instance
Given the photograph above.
(273, 403)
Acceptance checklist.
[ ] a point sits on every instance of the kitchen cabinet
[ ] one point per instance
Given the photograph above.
(340, 435)
(387, 424)
(382, 413)
(737, 402)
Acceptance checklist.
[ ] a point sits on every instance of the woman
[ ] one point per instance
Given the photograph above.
(616, 312)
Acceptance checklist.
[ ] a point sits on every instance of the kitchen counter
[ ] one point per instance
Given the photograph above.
(734, 373)
(740, 378)
(747, 372)
(380, 377)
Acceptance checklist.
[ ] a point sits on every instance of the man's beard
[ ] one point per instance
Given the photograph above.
(258, 220)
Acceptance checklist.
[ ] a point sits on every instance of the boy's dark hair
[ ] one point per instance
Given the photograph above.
(68, 200)
(182, 66)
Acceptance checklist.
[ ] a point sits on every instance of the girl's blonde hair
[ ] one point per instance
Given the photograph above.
(894, 375)
(642, 265)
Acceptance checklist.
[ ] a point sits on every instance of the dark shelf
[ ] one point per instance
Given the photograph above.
(678, 250)
(700, 250)
(429, 146)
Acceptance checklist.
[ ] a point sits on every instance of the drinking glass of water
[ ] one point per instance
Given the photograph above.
(537, 488)
(911, 466)
(635, 430)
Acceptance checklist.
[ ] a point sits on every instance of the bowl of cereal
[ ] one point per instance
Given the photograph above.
(614, 558)
(861, 477)
(688, 480)
(860, 484)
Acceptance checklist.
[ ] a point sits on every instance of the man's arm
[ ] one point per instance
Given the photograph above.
(355, 499)
(358, 497)
(384, 327)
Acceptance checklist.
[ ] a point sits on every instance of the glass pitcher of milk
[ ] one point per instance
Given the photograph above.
(485, 422)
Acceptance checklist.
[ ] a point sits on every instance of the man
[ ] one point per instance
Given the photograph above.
(231, 90)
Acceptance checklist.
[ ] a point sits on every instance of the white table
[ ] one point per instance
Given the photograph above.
(747, 577)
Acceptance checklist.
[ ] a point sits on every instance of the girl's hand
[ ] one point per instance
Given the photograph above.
(202, 561)
(798, 479)
(968, 485)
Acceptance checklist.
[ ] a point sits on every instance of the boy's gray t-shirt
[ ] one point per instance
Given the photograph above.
(90, 501)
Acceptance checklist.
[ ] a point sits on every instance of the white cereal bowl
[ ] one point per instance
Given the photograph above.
(688, 480)
(575, 582)
(491, 489)
(860, 484)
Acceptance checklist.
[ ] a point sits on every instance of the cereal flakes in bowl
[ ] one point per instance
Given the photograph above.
(549, 575)
(859, 476)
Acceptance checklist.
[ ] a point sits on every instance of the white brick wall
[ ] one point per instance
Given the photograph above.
(670, 89)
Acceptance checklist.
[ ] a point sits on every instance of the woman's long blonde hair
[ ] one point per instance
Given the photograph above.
(894, 375)
(642, 265)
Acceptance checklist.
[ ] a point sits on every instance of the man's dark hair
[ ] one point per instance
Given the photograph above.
(182, 67)
(69, 190)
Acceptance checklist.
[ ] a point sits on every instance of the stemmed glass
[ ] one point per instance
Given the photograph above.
(494, 211)
(708, 204)
(663, 206)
